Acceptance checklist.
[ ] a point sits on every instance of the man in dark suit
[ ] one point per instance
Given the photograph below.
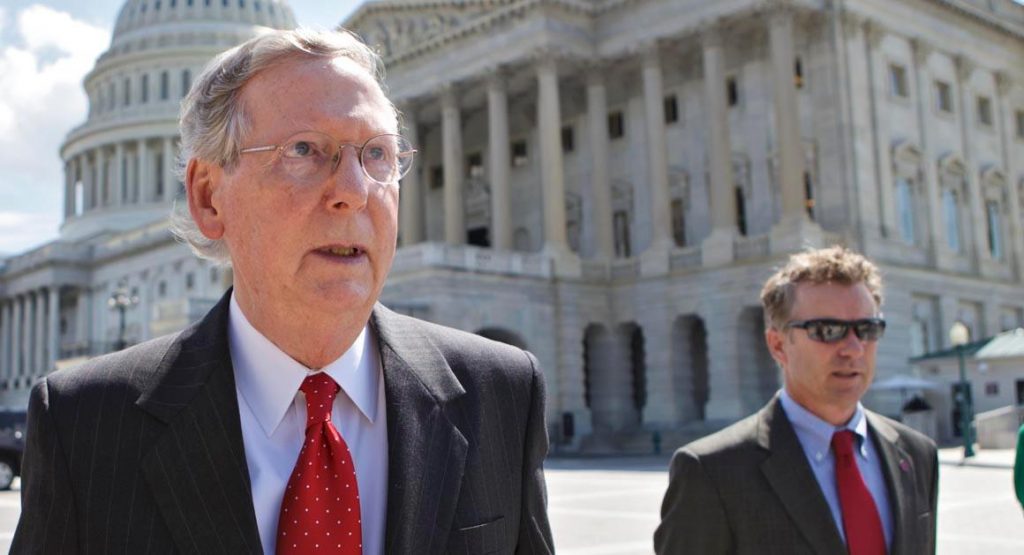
(430, 440)
(813, 471)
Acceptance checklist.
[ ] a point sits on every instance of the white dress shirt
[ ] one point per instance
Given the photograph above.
(273, 416)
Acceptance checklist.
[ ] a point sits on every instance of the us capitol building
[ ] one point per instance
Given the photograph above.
(606, 183)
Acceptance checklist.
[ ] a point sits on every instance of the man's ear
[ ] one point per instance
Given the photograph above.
(201, 181)
(774, 338)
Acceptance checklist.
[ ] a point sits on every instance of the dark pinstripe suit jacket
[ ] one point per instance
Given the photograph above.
(141, 451)
(750, 490)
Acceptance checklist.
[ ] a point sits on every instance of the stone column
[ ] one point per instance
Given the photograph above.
(69, 189)
(1013, 166)
(88, 183)
(922, 52)
(145, 189)
(498, 141)
(28, 330)
(724, 394)
(451, 132)
(657, 150)
(102, 194)
(17, 329)
(549, 129)
(53, 333)
(787, 116)
(82, 320)
(5, 336)
(663, 406)
(600, 185)
(170, 183)
(39, 355)
(120, 186)
(718, 248)
(964, 72)
(411, 195)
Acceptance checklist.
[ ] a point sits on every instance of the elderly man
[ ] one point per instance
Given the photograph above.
(299, 415)
(813, 471)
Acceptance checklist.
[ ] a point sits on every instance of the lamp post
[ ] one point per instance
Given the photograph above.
(959, 336)
(121, 299)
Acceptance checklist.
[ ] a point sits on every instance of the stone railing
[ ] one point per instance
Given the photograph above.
(51, 253)
(685, 258)
(471, 259)
(758, 246)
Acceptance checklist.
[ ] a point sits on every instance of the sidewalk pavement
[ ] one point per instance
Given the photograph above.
(990, 458)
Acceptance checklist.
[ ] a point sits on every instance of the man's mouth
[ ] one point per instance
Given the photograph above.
(339, 251)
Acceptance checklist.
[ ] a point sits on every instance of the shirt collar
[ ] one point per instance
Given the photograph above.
(819, 432)
(269, 379)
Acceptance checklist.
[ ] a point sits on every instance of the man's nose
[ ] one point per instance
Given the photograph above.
(349, 185)
(851, 345)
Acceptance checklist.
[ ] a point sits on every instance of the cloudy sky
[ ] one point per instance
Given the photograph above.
(46, 48)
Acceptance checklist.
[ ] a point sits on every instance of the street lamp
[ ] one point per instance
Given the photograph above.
(121, 299)
(959, 336)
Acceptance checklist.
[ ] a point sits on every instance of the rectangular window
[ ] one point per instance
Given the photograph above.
(741, 211)
(519, 157)
(951, 211)
(144, 89)
(568, 139)
(165, 85)
(110, 97)
(809, 195)
(161, 289)
(985, 111)
(186, 82)
(898, 81)
(616, 125)
(732, 92)
(475, 165)
(798, 74)
(1020, 123)
(437, 177)
(190, 281)
(127, 92)
(992, 389)
(995, 229)
(159, 175)
(905, 210)
(943, 97)
(671, 109)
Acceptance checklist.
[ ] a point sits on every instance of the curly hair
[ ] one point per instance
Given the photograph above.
(834, 264)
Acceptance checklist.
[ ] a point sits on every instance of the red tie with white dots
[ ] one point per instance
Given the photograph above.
(320, 510)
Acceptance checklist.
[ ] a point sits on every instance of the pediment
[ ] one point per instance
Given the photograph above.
(394, 27)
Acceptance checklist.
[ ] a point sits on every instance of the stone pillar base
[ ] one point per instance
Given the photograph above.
(565, 262)
(718, 249)
(654, 261)
(796, 234)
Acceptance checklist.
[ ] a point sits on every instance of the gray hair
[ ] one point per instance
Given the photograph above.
(213, 119)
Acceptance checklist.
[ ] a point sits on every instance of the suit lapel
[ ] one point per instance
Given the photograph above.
(426, 451)
(196, 468)
(790, 476)
(897, 466)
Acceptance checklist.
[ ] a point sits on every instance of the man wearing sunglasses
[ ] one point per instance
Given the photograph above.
(300, 415)
(813, 471)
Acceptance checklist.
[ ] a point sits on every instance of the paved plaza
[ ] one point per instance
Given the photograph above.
(609, 506)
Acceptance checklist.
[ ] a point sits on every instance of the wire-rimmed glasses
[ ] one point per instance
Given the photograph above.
(311, 156)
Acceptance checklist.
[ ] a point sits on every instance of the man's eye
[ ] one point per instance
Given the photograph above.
(832, 330)
(377, 153)
(300, 149)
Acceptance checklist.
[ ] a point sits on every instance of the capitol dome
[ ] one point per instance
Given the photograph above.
(119, 162)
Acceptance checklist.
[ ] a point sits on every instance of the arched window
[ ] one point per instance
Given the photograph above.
(905, 210)
(951, 215)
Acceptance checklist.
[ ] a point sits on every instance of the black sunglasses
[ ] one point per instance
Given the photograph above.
(828, 330)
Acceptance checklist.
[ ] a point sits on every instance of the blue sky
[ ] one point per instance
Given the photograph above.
(46, 48)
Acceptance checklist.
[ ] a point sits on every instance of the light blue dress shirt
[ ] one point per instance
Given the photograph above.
(815, 437)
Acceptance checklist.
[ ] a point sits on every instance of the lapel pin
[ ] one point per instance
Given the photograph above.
(904, 465)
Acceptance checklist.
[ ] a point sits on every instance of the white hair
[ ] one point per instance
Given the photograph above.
(213, 119)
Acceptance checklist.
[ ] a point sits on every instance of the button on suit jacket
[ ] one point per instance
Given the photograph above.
(141, 451)
(749, 489)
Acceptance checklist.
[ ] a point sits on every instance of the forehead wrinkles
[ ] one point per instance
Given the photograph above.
(311, 92)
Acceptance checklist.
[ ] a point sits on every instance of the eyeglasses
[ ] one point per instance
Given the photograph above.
(311, 156)
(827, 330)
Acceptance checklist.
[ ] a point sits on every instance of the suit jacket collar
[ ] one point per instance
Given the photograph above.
(898, 469)
(790, 476)
(196, 467)
(426, 451)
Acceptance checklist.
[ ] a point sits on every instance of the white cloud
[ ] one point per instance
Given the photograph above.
(41, 99)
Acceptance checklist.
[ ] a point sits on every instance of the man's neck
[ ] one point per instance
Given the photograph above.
(313, 338)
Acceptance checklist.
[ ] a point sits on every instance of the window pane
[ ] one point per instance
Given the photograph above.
(995, 236)
(952, 217)
(905, 209)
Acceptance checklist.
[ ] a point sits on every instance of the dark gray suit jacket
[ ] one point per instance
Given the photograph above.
(141, 451)
(749, 489)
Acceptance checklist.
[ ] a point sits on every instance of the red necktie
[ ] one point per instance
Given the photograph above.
(863, 526)
(320, 510)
